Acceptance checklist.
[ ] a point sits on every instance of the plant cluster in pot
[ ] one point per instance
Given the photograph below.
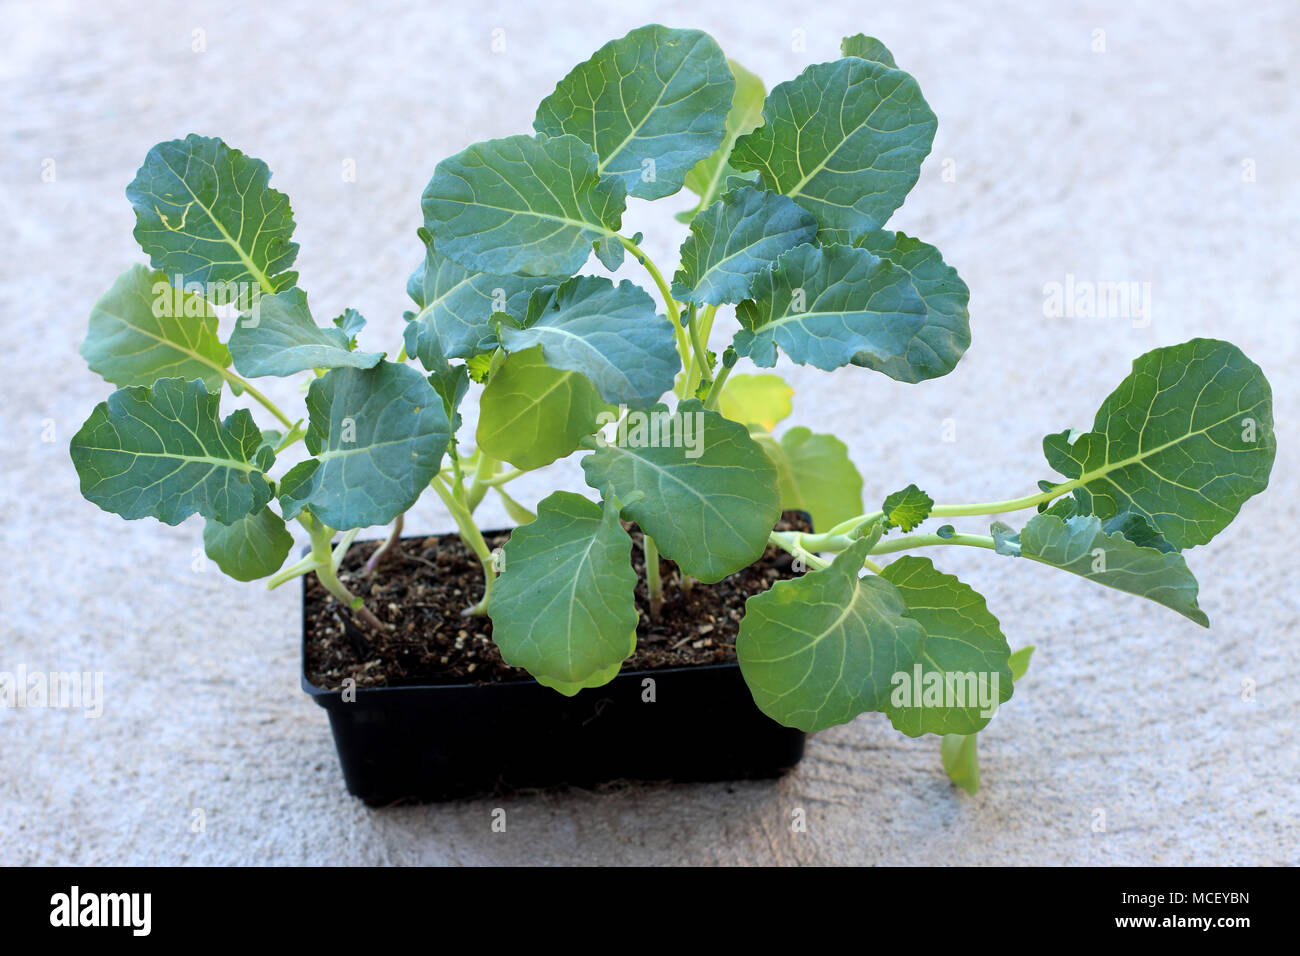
(686, 480)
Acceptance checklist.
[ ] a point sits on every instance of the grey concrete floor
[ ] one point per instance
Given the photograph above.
(1130, 163)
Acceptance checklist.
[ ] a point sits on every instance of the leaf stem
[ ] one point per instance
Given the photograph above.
(323, 558)
(654, 584)
(907, 542)
(473, 539)
(715, 390)
(269, 405)
(389, 544)
(670, 304)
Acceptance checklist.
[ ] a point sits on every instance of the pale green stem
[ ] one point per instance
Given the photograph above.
(907, 542)
(473, 539)
(670, 304)
(325, 571)
(340, 552)
(484, 469)
(394, 534)
(269, 405)
(654, 585)
(715, 391)
(979, 508)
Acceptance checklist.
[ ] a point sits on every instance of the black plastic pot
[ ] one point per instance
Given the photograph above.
(441, 742)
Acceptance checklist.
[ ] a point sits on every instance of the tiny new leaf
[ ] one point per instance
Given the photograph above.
(907, 508)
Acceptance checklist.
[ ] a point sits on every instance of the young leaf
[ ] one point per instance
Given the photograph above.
(907, 508)
(609, 333)
(960, 754)
(531, 414)
(563, 607)
(142, 329)
(378, 436)
(251, 548)
(350, 323)
(204, 212)
(162, 451)
(963, 654)
(828, 307)
(868, 48)
(707, 178)
(281, 338)
(816, 475)
(708, 493)
(651, 104)
(1183, 442)
(530, 205)
(939, 343)
(756, 400)
(1019, 661)
(451, 382)
(1081, 546)
(736, 239)
(819, 649)
(845, 140)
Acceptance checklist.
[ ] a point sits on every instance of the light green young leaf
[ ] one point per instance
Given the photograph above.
(608, 333)
(961, 671)
(378, 436)
(756, 400)
(961, 761)
(1183, 442)
(528, 205)
(709, 176)
(204, 212)
(907, 508)
(736, 239)
(531, 414)
(868, 48)
(941, 341)
(845, 140)
(142, 329)
(651, 104)
(563, 607)
(1019, 661)
(816, 475)
(279, 337)
(709, 494)
(162, 451)
(828, 307)
(251, 548)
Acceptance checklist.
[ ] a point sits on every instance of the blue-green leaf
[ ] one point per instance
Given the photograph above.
(251, 548)
(279, 337)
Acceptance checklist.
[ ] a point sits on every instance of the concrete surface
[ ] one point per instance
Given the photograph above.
(1130, 163)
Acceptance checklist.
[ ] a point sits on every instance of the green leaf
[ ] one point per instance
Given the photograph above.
(710, 174)
(609, 333)
(756, 400)
(517, 512)
(451, 382)
(961, 761)
(735, 240)
(819, 649)
(351, 322)
(868, 48)
(279, 337)
(1081, 546)
(456, 307)
(845, 140)
(941, 341)
(162, 451)
(1019, 661)
(652, 105)
(530, 205)
(204, 212)
(961, 671)
(816, 475)
(531, 414)
(907, 508)
(251, 548)
(563, 607)
(709, 494)
(828, 307)
(1183, 442)
(142, 329)
(378, 437)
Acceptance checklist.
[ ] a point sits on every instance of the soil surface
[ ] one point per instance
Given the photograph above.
(421, 588)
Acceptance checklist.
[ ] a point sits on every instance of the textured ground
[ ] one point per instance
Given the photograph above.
(1131, 163)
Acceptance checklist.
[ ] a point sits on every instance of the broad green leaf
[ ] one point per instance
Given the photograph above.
(456, 307)
(529, 205)
(142, 329)
(377, 436)
(708, 177)
(845, 140)
(941, 341)
(563, 607)
(819, 649)
(907, 508)
(756, 400)
(1183, 442)
(961, 761)
(162, 451)
(1081, 546)
(609, 333)
(736, 239)
(828, 307)
(709, 494)
(652, 105)
(815, 475)
(868, 48)
(204, 212)
(531, 414)
(961, 671)
(279, 337)
(251, 548)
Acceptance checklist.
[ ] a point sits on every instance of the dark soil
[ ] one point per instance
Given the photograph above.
(422, 587)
